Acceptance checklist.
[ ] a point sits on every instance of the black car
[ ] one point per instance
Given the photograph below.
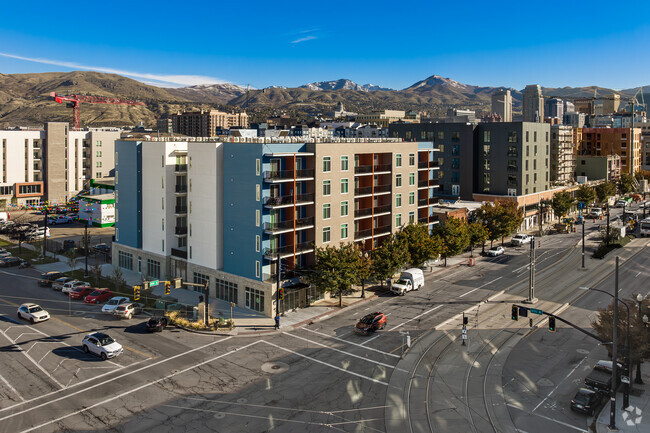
(10, 261)
(156, 324)
(102, 248)
(46, 279)
(586, 401)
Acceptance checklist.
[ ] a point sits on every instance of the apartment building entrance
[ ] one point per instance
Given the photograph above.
(299, 296)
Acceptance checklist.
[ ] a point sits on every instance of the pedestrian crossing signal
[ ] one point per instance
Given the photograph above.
(551, 324)
(515, 312)
(136, 293)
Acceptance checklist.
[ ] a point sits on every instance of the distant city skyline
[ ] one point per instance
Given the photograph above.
(262, 44)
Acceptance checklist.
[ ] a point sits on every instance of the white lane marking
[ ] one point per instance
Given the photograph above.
(418, 316)
(554, 389)
(550, 419)
(12, 388)
(325, 363)
(102, 383)
(32, 360)
(348, 342)
(138, 388)
(480, 287)
(370, 339)
(639, 273)
(340, 351)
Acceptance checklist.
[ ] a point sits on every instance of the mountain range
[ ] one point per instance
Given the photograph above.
(25, 100)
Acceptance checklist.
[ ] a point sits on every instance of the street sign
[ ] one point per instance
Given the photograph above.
(154, 283)
(464, 336)
(535, 311)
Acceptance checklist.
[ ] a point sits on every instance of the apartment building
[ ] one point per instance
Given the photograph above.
(502, 104)
(607, 167)
(205, 123)
(52, 164)
(613, 141)
(533, 104)
(226, 212)
(563, 154)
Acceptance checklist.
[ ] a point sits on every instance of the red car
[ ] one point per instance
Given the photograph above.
(98, 296)
(371, 323)
(80, 292)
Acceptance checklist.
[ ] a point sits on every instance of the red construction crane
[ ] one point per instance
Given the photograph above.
(73, 102)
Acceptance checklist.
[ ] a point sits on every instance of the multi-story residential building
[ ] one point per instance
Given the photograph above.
(205, 123)
(563, 154)
(513, 158)
(456, 156)
(613, 141)
(554, 108)
(165, 125)
(599, 167)
(533, 104)
(385, 117)
(502, 104)
(227, 212)
(54, 163)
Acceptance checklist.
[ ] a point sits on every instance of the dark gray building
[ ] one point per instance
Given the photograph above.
(513, 158)
(554, 108)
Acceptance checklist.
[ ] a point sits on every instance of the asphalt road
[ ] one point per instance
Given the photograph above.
(321, 377)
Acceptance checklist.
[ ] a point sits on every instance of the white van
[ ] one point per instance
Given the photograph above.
(4, 216)
(410, 279)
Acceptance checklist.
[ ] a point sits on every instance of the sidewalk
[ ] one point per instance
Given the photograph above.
(636, 418)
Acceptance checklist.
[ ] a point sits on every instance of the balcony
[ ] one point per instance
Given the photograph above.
(369, 190)
(288, 250)
(180, 168)
(181, 209)
(372, 169)
(360, 213)
(378, 231)
(181, 230)
(429, 183)
(288, 200)
(181, 189)
(424, 165)
(283, 226)
(288, 175)
(426, 202)
(181, 254)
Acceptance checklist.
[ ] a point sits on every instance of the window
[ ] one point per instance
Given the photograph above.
(512, 136)
(486, 150)
(257, 192)
(512, 151)
(162, 248)
(547, 136)
(441, 135)
(398, 200)
(98, 153)
(535, 167)
(98, 164)
(526, 164)
(411, 217)
(411, 159)
(411, 179)
(226, 290)
(486, 164)
(153, 268)
(344, 231)
(486, 136)
(326, 234)
(398, 160)
(258, 269)
(455, 176)
(512, 164)
(163, 203)
(257, 218)
(98, 174)
(327, 211)
(327, 187)
(254, 299)
(527, 136)
(344, 208)
(411, 198)
(199, 278)
(98, 143)
(258, 167)
(535, 136)
(455, 163)
(125, 260)
(257, 243)
(398, 180)
(455, 136)
(344, 163)
(535, 149)
(527, 150)
(455, 149)
(398, 220)
(163, 224)
(327, 164)
(344, 186)
(486, 178)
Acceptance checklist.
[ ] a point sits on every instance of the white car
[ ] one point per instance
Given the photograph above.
(69, 286)
(111, 305)
(60, 282)
(496, 251)
(32, 312)
(520, 239)
(101, 345)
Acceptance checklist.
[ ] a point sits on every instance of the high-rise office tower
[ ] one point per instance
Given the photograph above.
(502, 104)
(533, 105)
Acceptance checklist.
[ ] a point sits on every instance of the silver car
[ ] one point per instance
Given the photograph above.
(101, 345)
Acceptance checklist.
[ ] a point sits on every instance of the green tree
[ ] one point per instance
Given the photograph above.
(454, 236)
(512, 216)
(478, 234)
(626, 183)
(488, 215)
(389, 258)
(337, 269)
(420, 245)
(585, 194)
(604, 191)
(562, 202)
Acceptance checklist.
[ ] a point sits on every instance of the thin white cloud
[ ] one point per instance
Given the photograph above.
(155, 79)
(306, 38)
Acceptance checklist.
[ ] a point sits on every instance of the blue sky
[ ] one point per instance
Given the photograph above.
(388, 43)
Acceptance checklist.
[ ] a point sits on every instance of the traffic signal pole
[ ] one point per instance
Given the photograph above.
(278, 278)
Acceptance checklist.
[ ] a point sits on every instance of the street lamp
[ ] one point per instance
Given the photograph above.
(626, 393)
(639, 380)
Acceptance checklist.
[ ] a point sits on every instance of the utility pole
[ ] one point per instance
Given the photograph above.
(614, 382)
(584, 221)
(607, 233)
(45, 234)
(531, 279)
(86, 247)
(278, 278)
(206, 305)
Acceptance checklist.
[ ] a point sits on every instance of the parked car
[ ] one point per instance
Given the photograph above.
(5, 255)
(112, 303)
(102, 248)
(67, 287)
(102, 345)
(10, 261)
(59, 282)
(596, 212)
(496, 251)
(32, 312)
(370, 323)
(98, 296)
(156, 324)
(48, 278)
(80, 292)
(126, 311)
(520, 239)
(586, 401)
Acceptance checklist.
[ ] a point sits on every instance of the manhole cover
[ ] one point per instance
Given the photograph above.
(582, 351)
(275, 367)
(219, 415)
(241, 400)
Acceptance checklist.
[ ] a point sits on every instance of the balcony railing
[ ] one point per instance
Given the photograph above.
(179, 168)
(181, 188)
(181, 230)
(288, 174)
(429, 182)
(289, 249)
(179, 253)
(369, 189)
(428, 164)
(289, 224)
(370, 232)
(369, 211)
(288, 199)
(360, 169)
(181, 208)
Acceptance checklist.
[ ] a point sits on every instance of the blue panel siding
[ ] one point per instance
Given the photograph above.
(422, 145)
(128, 190)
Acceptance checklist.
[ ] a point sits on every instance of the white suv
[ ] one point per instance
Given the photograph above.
(111, 305)
(521, 239)
(101, 345)
(70, 286)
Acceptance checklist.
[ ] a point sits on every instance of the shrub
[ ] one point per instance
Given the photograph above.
(176, 318)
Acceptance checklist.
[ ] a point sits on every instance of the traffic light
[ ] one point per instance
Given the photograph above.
(551, 324)
(523, 311)
(465, 320)
(281, 293)
(515, 312)
(168, 287)
(136, 293)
